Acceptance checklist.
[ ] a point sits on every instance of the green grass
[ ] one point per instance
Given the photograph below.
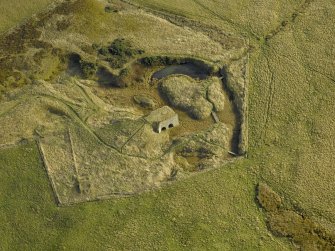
(251, 18)
(27, 204)
(292, 92)
(190, 215)
(15, 12)
(291, 112)
(291, 127)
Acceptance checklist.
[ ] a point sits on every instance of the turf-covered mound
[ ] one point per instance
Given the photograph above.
(197, 98)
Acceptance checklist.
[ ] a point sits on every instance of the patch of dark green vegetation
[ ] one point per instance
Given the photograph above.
(111, 9)
(286, 222)
(89, 69)
(118, 53)
(76, 66)
(162, 60)
(80, 67)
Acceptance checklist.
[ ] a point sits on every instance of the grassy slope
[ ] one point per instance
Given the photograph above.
(250, 18)
(14, 12)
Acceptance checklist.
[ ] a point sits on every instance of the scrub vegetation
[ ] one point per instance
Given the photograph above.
(119, 52)
(279, 197)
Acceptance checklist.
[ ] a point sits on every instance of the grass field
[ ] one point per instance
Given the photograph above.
(15, 12)
(253, 19)
(295, 139)
(291, 91)
(194, 214)
(291, 146)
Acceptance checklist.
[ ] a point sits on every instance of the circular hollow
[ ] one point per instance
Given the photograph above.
(171, 125)
(163, 128)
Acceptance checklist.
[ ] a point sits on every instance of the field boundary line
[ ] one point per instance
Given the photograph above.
(46, 166)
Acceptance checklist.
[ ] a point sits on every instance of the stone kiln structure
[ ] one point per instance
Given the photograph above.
(162, 119)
